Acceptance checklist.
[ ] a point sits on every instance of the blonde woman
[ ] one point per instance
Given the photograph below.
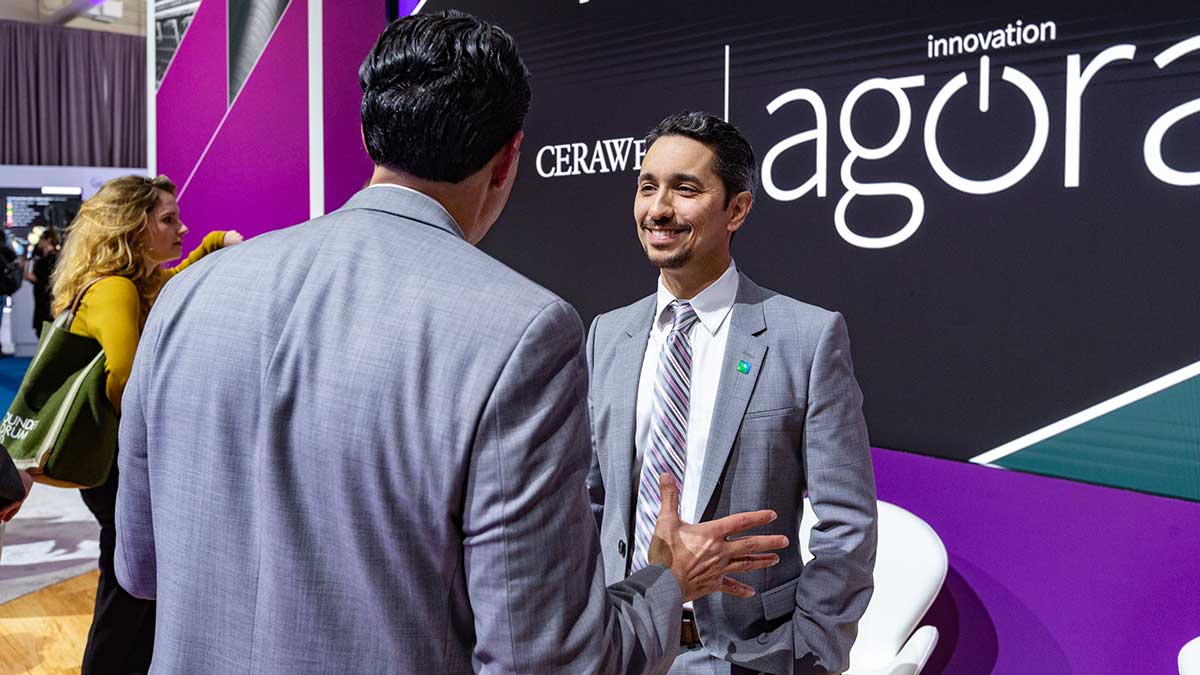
(121, 236)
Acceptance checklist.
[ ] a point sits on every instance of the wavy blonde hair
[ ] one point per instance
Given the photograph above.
(105, 239)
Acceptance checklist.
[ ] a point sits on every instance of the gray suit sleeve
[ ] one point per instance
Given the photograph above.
(595, 479)
(135, 560)
(531, 552)
(836, 585)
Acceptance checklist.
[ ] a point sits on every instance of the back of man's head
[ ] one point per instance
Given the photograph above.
(442, 93)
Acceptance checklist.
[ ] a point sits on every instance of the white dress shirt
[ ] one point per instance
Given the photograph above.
(708, 338)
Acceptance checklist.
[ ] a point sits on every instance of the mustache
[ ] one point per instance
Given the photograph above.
(673, 225)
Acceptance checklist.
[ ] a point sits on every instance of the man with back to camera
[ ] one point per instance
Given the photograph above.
(748, 399)
(408, 496)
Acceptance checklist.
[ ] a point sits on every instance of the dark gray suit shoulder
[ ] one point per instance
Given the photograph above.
(779, 310)
(810, 321)
(623, 318)
(778, 303)
(386, 249)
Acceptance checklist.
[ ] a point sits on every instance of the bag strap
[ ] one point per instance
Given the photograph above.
(79, 299)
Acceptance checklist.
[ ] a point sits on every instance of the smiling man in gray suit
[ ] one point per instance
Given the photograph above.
(359, 445)
(749, 399)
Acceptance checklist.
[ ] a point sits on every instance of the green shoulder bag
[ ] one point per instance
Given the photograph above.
(61, 427)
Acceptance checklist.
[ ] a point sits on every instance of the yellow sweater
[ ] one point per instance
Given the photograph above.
(111, 313)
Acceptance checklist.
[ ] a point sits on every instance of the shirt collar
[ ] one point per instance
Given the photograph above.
(712, 305)
(422, 194)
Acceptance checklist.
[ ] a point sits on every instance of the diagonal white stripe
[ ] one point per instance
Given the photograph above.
(1103, 408)
(236, 97)
(151, 52)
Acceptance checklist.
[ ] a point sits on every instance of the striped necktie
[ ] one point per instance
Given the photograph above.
(666, 451)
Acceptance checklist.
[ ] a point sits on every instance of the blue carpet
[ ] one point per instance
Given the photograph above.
(12, 370)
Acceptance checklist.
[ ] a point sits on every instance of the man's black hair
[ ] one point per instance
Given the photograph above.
(734, 161)
(442, 93)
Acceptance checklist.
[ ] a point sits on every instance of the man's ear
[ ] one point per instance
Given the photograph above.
(508, 160)
(739, 210)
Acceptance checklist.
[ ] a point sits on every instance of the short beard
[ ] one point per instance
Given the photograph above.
(671, 262)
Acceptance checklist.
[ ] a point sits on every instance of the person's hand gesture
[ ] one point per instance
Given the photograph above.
(702, 555)
(232, 237)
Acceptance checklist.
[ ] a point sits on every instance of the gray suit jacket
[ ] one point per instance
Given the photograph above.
(359, 445)
(792, 424)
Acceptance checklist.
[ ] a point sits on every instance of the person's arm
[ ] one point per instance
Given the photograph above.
(27, 270)
(213, 241)
(836, 585)
(532, 557)
(135, 563)
(111, 312)
(595, 479)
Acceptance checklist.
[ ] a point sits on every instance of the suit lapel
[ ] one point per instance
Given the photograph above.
(627, 362)
(746, 322)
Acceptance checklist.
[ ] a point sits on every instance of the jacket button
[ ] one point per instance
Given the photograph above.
(621, 548)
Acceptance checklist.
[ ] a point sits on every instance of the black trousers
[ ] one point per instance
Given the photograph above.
(121, 640)
(41, 314)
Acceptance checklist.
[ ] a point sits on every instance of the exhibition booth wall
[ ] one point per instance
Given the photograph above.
(1046, 575)
(279, 143)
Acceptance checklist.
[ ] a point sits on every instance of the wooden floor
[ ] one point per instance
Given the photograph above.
(44, 632)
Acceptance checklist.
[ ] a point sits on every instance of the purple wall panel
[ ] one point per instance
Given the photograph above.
(350, 30)
(254, 177)
(192, 98)
(1051, 576)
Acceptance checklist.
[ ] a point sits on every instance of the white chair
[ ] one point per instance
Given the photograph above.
(910, 566)
(1189, 658)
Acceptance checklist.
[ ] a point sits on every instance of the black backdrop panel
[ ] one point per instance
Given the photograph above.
(998, 313)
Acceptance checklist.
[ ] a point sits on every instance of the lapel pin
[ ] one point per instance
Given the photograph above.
(743, 367)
